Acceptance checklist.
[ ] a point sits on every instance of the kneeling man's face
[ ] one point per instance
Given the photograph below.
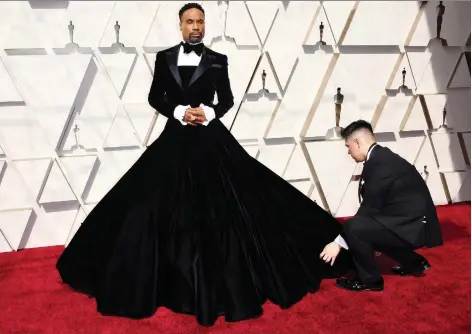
(354, 149)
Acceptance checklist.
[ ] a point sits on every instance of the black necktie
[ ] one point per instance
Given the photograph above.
(197, 48)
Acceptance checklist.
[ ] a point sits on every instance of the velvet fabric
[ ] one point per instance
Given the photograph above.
(196, 224)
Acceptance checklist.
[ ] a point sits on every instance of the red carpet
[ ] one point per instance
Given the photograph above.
(33, 301)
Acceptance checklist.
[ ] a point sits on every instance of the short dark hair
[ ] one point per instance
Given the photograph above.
(354, 126)
(190, 6)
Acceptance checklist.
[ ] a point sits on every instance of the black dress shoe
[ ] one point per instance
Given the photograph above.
(356, 285)
(416, 270)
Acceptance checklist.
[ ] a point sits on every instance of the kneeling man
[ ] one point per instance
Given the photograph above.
(396, 216)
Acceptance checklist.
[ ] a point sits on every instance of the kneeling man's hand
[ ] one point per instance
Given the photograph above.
(330, 252)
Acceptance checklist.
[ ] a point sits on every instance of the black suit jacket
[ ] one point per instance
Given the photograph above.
(395, 194)
(210, 76)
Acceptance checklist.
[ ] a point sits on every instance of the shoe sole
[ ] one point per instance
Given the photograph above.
(369, 289)
(425, 269)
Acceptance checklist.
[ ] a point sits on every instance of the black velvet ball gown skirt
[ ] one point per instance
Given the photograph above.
(200, 227)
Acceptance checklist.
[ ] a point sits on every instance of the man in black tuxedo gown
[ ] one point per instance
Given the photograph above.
(396, 216)
(191, 73)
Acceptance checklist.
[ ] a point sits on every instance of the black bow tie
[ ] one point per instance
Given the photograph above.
(197, 48)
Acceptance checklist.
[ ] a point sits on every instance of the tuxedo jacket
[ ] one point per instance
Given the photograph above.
(395, 194)
(210, 77)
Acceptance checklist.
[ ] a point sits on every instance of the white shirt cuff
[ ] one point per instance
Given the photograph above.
(209, 114)
(341, 242)
(179, 113)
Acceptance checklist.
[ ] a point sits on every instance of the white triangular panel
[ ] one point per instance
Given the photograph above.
(360, 100)
(458, 109)
(137, 88)
(55, 82)
(263, 15)
(52, 228)
(461, 77)
(33, 173)
(455, 27)
(13, 192)
(297, 167)
(436, 104)
(4, 245)
(338, 12)
(53, 120)
(8, 90)
(21, 135)
(416, 119)
(122, 132)
(253, 117)
(448, 152)
(275, 157)
(141, 116)
(407, 147)
(381, 23)
(334, 174)
(239, 24)
(135, 19)
(164, 31)
(270, 81)
(241, 67)
(314, 35)
(393, 113)
(288, 33)
(56, 188)
(398, 77)
(426, 160)
(89, 20)
(78, 171)
(150, 61)
(119, 67)
(466, 137)
(13, 224)
(458, 184)
(433, 68)
(21, 28)
(300, 96)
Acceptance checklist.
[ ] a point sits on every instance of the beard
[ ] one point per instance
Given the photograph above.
(195, 38)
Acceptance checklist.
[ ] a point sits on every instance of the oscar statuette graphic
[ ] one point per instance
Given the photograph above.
(335, 132)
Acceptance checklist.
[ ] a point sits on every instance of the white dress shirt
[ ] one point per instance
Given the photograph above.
(191, 59)
(339, 239)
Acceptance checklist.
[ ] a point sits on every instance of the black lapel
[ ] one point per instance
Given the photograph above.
(172, 56)
(204, 64)
(359, 189)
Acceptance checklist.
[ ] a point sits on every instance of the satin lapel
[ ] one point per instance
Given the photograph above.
(359, 189)
(172, 56)
(204, 64)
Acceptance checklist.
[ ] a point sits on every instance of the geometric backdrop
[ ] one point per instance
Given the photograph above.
(74, 114)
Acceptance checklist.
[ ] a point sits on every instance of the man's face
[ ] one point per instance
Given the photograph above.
(354, 149)
(192, 25)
